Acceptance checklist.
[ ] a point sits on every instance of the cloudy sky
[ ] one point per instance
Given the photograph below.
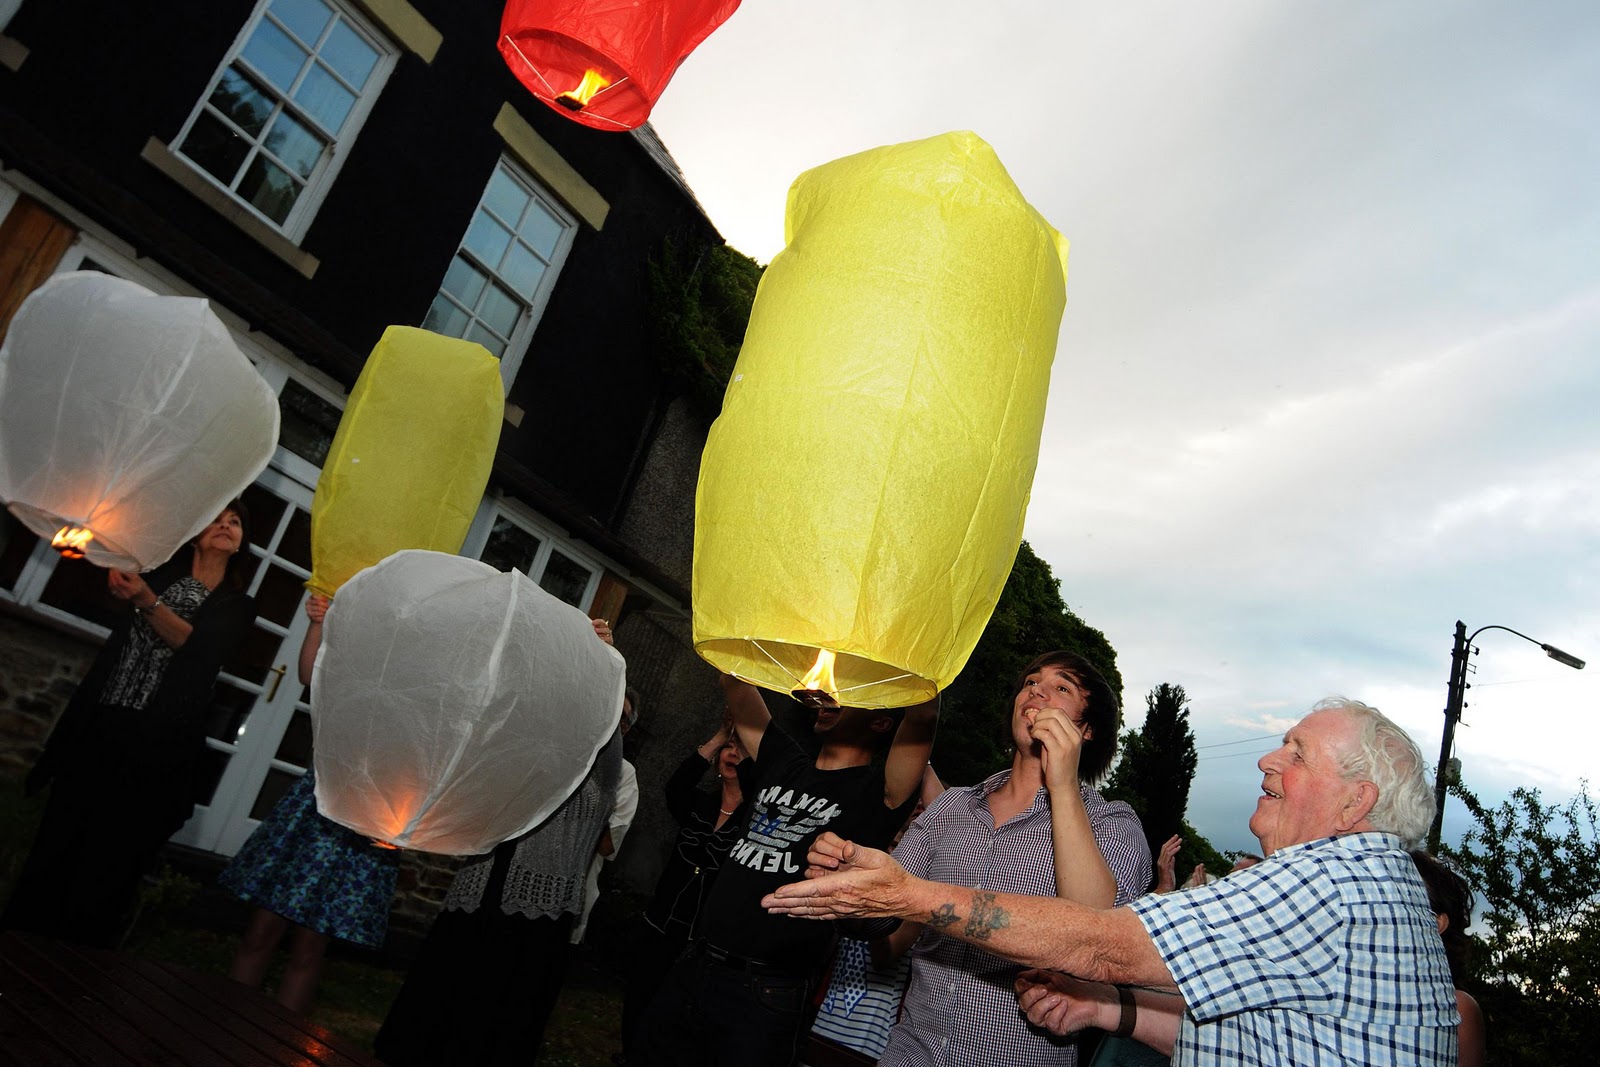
(1329, 370)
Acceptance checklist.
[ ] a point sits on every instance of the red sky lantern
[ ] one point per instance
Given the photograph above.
(604, 63)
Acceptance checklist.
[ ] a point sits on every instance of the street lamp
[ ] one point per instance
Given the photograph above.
(1455, 701)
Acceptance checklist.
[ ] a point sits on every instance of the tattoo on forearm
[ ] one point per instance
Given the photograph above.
(945, 916)
(987, 917)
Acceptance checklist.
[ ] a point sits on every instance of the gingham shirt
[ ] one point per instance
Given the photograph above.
(1327, 953)
(961, 1006)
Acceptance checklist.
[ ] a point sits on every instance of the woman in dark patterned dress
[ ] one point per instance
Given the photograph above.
(121, 763)
(308, 877)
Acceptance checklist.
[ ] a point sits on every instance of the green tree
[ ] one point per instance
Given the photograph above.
(1157, 767)
(1536, 869)
(974, 737)
(700, 304)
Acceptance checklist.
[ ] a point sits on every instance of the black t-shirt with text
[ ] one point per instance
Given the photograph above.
(792, 804)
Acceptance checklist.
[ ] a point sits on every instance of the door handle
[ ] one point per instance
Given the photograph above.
(280, 670)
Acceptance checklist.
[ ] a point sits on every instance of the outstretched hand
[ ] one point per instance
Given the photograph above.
(1061, 1004)
(843, 879)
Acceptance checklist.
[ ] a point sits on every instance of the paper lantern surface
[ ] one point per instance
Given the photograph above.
(622, 51)
(454, 706)
(127, 414)
(864, 488)
(411, 458)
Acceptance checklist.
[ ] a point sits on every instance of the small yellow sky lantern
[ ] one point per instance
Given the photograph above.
(862, 494)
(456, 706)
(127, 419)
(410, 461)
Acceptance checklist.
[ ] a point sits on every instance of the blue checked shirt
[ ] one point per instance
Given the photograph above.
(960, 1009)
(1327, 953)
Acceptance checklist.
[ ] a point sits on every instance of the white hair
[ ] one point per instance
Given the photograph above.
(1386, 756)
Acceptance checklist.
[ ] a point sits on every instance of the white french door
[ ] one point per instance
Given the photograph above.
(259, 734)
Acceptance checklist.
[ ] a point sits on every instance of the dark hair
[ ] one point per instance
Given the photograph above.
(240, 564)
(1448, 895)
(1103, 710)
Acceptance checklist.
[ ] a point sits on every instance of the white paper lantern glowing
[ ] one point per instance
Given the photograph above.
(127, 417)
(453, 706)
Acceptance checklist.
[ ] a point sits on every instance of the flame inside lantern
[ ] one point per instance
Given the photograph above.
(71, 541)
(818, 686)
(578, 99)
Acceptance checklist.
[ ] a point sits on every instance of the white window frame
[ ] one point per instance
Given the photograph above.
(550, 539)
(533, 303)
(322, 176)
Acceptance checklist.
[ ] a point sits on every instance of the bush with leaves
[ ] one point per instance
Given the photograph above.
(1157, 766)
(974, 738)
(1536, 969)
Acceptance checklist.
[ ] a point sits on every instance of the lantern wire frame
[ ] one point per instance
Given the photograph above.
(554, 92)
(844, 689)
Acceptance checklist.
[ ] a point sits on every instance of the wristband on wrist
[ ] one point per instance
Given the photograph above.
(152, 606)
(1130, 1012)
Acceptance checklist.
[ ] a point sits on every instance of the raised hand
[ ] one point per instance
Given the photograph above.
(1060, 745)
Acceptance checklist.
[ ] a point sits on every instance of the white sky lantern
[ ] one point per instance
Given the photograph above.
(127, 420)
(455, 706)
(862, 494)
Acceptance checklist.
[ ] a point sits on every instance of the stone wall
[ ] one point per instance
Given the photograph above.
(39, 669)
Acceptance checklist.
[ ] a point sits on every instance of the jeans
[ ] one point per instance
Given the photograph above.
(711, 1013)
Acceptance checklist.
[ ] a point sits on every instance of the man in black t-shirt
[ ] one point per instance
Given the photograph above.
(738, 996)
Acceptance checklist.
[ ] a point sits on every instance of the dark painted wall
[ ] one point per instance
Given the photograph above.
(102, 77)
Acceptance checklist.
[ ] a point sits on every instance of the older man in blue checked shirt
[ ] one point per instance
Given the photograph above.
(1327, 952)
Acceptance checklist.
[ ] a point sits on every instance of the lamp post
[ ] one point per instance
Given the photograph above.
(1455, 701)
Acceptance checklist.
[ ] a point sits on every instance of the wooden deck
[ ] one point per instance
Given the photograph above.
(60, 1004)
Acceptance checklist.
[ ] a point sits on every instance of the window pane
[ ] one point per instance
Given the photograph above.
(444, 317)
(324, 98)
(308, 423)
(499, 311)
(277, 57)
(269, 187)
(255, 656)
(296, 544)
(16, 545)
(510, 547)
(522, 269)
(266, 510)
(306, 19)
(230, 710)
(481, 334)
(295, 747)
(346, 52)
(505, 197)
(272, 790)
(278, 596)
(540, 229)
(464, 281)
(487, 240)
(296, 145)
(565, 579)
(242, 101)
(214, 145)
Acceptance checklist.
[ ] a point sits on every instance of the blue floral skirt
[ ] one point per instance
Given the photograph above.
(314, 872)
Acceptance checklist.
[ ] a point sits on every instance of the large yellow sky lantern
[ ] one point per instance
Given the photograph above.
(864, 489)
(411, 458)
(127, 419)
